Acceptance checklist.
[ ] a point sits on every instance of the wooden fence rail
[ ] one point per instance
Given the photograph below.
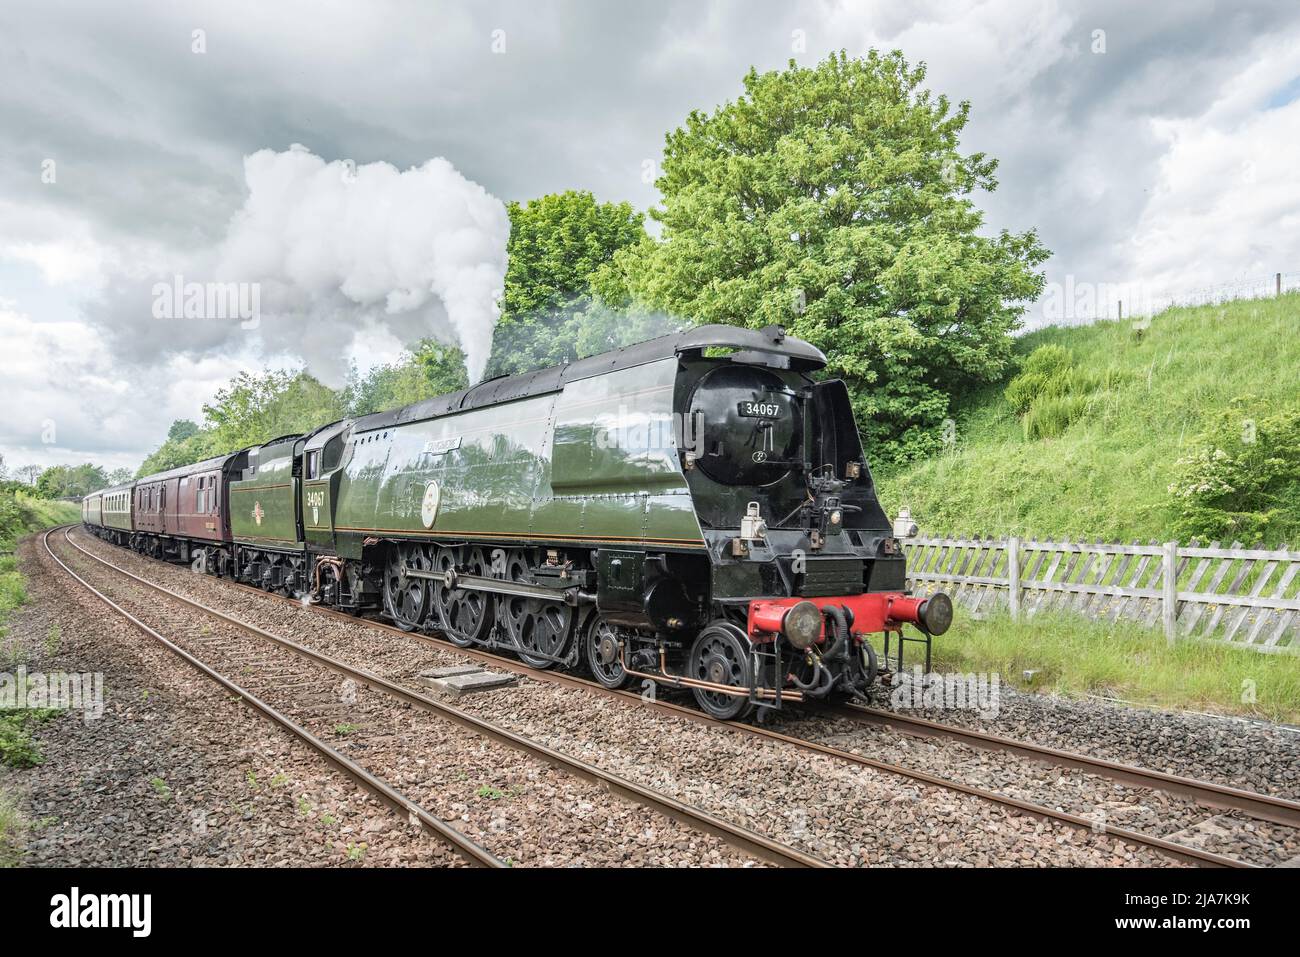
(1243, 597)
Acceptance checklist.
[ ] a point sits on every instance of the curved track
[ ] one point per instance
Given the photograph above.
(472, 852)
(741, 838)
(1213, 795)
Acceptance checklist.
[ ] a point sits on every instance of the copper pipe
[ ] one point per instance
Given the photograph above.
(682, 681)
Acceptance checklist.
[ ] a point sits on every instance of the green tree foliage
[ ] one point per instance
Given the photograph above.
(429, 369)
(255, 408)
(70, 481)
(557, 244)
(835, 201)
(1241, 481)
(181, 430)
(247, 411)
(181, 448)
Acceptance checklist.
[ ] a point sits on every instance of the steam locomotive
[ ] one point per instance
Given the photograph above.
(694, 510)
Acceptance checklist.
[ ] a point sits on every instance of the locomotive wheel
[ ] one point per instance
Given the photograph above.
(603, 654)
(464, 616)
(720, 656)
(406, 599)
(543, 628)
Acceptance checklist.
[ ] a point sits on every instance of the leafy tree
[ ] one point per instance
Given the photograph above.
(70, 481)
(556, 244)
(119, 476)
(835, 201)
(255, 408)
(174, 453)
(29, 473)
(247, 411)
(181, 430)
(429, 369)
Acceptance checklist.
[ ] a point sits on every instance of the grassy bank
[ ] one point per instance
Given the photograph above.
(1106, 473)
(1074, 655)
(19, 515)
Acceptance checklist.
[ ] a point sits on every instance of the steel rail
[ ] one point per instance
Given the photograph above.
(467, 848)
(739, 837)
(1264, 807)
(1182, 852)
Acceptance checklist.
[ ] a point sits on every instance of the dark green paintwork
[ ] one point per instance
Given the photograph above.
(263, 508)
(595, 462)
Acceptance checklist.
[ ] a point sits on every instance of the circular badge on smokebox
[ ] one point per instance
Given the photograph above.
(429, 506)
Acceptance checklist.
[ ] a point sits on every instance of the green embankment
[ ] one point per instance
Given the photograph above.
(1137, 399)
(19, 515)
(1106, 474)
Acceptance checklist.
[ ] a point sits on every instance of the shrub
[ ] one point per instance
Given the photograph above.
(1050, 415)
(1050, 393)
(1039, 369)
(1241, 476)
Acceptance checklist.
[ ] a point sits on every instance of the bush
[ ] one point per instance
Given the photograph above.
(1241, 477)
(1051, 415)
(14, 519)
(1050, 392)
(1042, 366)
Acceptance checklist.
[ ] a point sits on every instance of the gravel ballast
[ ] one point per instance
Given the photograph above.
(522, 810)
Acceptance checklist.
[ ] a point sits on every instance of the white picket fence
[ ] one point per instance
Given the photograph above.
(1244, 597)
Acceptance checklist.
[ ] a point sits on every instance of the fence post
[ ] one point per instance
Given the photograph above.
(1169, 601)
(1279, 284)
(1013, 577)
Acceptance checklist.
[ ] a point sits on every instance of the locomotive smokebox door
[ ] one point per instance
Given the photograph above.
(620, 583)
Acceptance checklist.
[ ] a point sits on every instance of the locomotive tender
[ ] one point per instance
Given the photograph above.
(693, 510)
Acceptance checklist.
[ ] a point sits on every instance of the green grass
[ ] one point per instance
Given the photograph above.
(17, 749)
(1075, 655)
(19, 515)
(13, 829)
(1104, 470)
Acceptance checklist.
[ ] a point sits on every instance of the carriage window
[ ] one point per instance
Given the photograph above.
(313, 464)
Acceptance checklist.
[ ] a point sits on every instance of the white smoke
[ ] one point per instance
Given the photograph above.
(350, 249)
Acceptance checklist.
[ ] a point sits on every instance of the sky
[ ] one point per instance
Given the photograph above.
(1153, 146)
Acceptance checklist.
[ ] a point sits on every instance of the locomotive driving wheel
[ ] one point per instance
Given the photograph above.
(406, 599)
(720, 656)
(540, 630)
(604, 654)
(464, 615)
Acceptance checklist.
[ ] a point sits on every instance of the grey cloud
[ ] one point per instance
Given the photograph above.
(150, 137)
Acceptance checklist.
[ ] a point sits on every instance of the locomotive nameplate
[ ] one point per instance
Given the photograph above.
(441, 446)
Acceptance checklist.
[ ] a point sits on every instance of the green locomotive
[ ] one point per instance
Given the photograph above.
(694, 510)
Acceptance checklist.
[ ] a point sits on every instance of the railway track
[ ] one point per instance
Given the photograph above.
(1262, 807)
(1208, 793)
(744, 840)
